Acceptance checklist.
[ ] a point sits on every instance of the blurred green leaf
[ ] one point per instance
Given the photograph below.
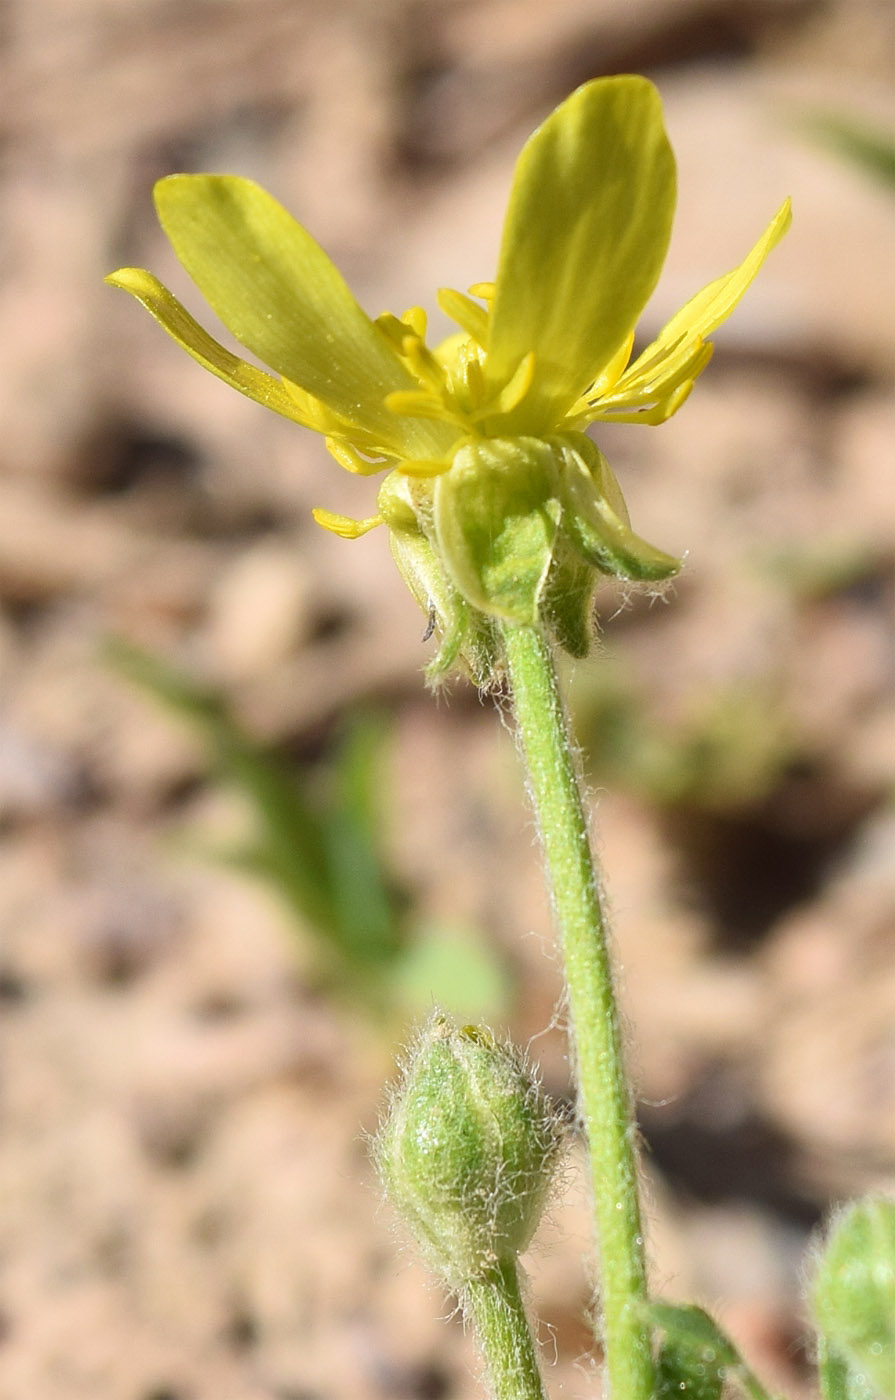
(291, 843)
(862, 146)
(320, 850)
(318, 844)
(727, 752)
(455, 969)
(824, 568)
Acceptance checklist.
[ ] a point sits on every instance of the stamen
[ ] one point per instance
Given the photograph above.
(484, 290)
(423, 468)
(423, 365)
(408, 404)
(343, 525)
(513, 392)
(395, 331)
(640, 391)
(470, 317)
(352, 460)
(660, 365)
(685, 366)
(473, 377)
(518, 385)
(659, 413)
(613, 371)
(416, 318)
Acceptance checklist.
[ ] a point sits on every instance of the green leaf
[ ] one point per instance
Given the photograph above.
(279, 294)
(585, 237)
(683, 1374)
(567, 603)
(496, 517)
(595, 516)
(696, 1358)
(853, 1295)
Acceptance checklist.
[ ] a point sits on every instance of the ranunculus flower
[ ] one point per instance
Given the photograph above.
(497, 503)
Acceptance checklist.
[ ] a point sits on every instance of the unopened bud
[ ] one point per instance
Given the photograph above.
(853, 1296)
(467, 1150)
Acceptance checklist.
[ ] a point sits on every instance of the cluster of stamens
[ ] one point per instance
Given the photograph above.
(453, 385)
(453, 389)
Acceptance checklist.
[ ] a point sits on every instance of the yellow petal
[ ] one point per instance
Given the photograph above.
(279, 294)
(179, 324)
(660, 379)
(704, 313)
(651, 390)
(585, 237)
(471, 317)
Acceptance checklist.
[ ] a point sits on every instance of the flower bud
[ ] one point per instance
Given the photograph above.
(467, 1150)
(853, 1296)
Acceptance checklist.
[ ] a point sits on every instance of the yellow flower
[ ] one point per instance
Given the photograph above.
(496, 501)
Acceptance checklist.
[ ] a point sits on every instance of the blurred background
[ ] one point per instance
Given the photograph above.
(241, 845)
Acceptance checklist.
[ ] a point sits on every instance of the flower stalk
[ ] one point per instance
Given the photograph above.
(604, 1098)
(496, 1309)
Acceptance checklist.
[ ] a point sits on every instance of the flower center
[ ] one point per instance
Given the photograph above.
(453, 383)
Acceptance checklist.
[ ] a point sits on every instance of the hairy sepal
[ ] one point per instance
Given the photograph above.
(497, 515)
(595, 517)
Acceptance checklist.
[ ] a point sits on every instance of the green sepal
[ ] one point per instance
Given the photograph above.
(853, 1300)
(837, 1379)
(595, 517)
(567, 603)
(496, 519)
(466, 638)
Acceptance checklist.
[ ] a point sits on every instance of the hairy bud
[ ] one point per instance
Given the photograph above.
(853, 1295)
(467, 1150)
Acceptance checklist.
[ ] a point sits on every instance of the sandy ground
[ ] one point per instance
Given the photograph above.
(187, 1209)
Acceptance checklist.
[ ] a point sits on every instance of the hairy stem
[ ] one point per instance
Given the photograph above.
(494, 1306)
(604, 1096)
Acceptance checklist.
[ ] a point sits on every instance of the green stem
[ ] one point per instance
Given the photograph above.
(494, 1306)
(604, 1097)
